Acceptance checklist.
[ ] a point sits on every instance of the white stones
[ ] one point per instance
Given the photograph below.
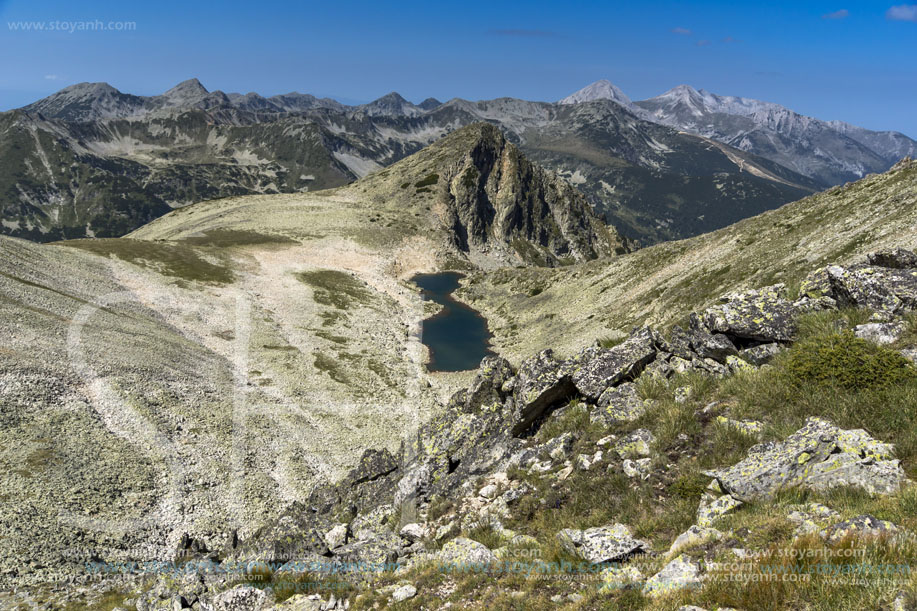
(679, 574)
(618, 576)
(413, 532)
(639, 468)
(601, 544)
(337, 536)
(489, 491)
(404, 593)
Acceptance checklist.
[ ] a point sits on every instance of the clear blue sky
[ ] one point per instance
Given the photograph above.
(833, 60)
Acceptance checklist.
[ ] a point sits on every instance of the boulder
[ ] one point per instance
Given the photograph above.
(486, 390)
(382, 549)
(367, 526)
(337, 536)
(761, 354)
(540, 386)
(595, 369)
(694, 536)
(617, 405)
(880, 288)
(762, 315)
(373, 465)
(679, 574)
(601, 544)
(242, 598)
(714, 346)
(635, 445)
(403, 593)
(819, 457)
(810, 518)
(709, 511)
(898, 258)
(881, 333)
(860, 527)
(617, 577)
(462, 551)
(637, 468)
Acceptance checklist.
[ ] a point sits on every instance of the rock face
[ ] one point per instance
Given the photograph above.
(890, 290)
(602, 544)
(819, 457)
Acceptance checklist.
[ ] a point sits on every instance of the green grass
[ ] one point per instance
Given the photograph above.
(226, 238)
(170, 259)
(336, 289)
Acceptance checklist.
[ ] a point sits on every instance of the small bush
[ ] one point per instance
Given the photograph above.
(846, 361)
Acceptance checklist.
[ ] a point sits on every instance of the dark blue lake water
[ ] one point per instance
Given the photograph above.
(457, 336)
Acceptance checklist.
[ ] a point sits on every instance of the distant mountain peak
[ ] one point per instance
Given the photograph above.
(599, 90)
(430, 104)
(391, 104)
(185, 89)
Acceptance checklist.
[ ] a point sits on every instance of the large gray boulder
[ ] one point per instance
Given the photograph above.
(762, 315)
(617, 405)
(540, 386)
(464, 552)
(612, 543)
(898, 258)
(880, 288)
(820, 456)
(595, 369)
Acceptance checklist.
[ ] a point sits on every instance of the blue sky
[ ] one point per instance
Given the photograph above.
(833, 60)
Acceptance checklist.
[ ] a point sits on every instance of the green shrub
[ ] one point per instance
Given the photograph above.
(846, 361)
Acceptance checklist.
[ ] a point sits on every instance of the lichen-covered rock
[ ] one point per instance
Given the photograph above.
(714, 346)
(461, 551)
(637, 468)
(540, 386)
(879, 288)
(709, 511)
(373, 465)
(635, 445)
(811, 518)
(403, 593)
(761, 354)
(413, 532)
(736, 364)
(679, 574)
(242, 598)
(860, 527)
(898, 258)
(694, 536)
(369, 525)
(618, 404)
(595, 369)
(612, 543)
(291, 536)
(762, 315)
(749, 427)
(337, 536)
(816, 284)
(819, 457)
(377, 551)
(881, 333)
(618, 577)
(486, 390)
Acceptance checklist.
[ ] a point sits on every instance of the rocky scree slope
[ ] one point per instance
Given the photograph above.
(514, 444)
(190, 145)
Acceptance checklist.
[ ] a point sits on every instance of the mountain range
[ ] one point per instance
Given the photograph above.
(90, 161)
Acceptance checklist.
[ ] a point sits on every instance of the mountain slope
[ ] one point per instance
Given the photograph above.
(829, 152)
(659, 284)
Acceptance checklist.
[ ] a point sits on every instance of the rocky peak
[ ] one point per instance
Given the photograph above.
(391, 104)
(599, 90)
(497, 205)
(87, 102)
(430, 104)
(186, 89)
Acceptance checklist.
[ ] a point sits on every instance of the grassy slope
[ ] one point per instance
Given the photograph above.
(570, 307)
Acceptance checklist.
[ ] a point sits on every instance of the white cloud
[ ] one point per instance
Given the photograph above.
(682, 31)
(903, 12)
(51, 77)
(841, 14)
